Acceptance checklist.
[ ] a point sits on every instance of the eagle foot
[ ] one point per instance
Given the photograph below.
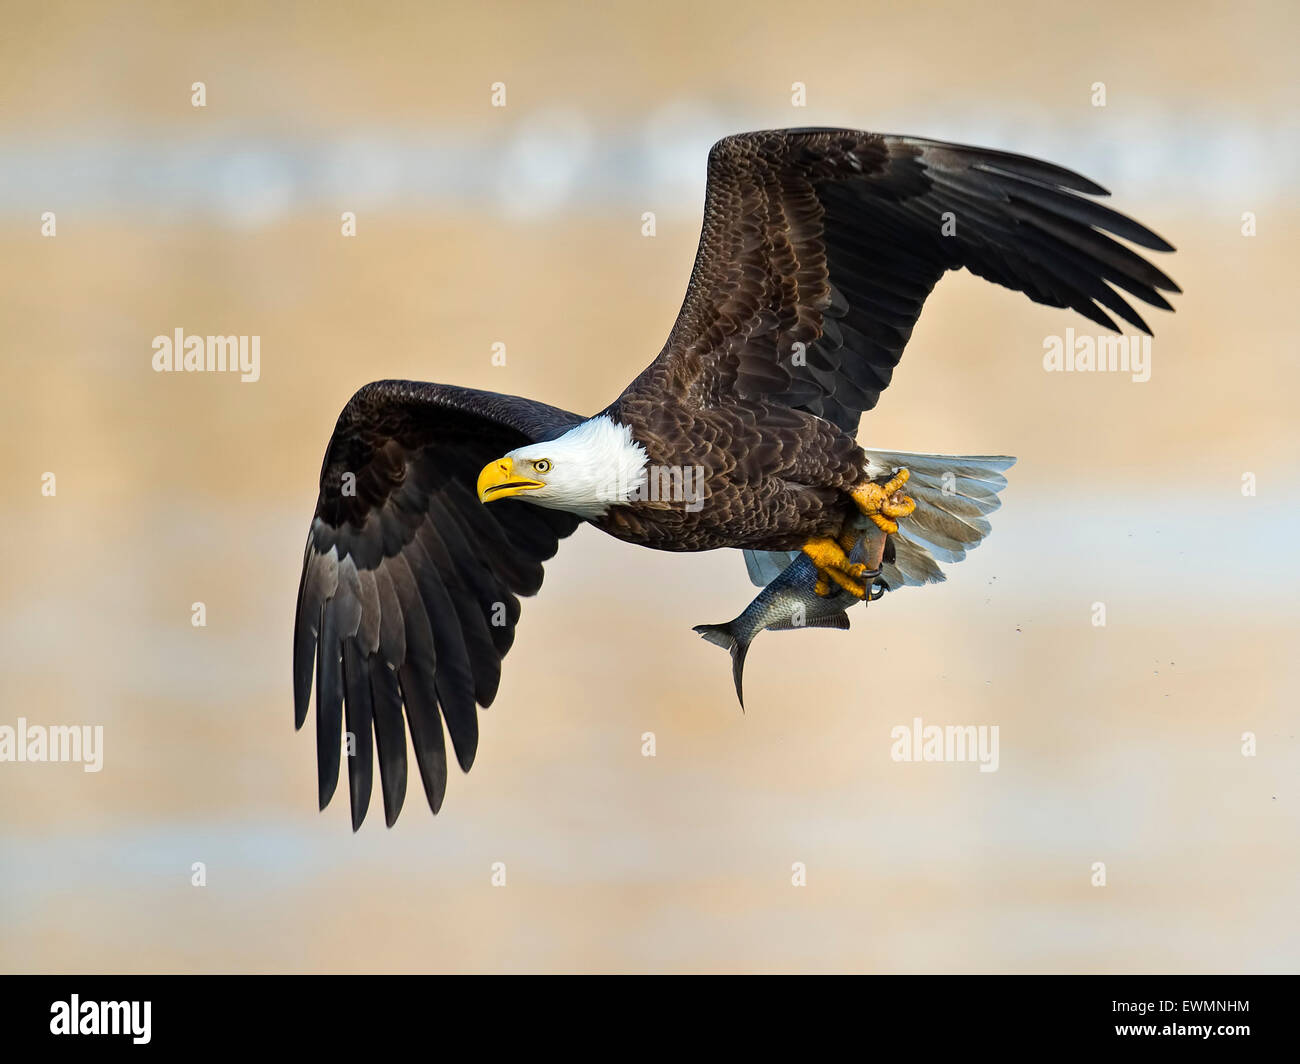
(834, 567)
(848, 541)
(885, 503)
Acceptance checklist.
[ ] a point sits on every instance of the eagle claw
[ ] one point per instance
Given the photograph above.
(834, 567)
(885, 503)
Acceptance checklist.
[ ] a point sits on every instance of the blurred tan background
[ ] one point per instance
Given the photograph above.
(1119, 744)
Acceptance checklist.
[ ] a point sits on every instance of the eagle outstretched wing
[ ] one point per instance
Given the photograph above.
(832, 239)
(409, 584)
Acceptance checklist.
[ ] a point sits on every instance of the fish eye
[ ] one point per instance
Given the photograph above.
(542, 465)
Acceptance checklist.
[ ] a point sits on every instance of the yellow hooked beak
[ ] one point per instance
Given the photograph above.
(499, 481)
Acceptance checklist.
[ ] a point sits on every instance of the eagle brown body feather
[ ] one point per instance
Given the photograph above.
(817, 252)
(771, 477)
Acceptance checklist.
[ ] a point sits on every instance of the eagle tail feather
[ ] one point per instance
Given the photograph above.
(954, 494)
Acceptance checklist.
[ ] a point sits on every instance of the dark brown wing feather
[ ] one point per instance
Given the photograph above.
(409, 585)
(833, 239)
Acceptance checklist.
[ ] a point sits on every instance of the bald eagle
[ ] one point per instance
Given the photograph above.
(438, 505)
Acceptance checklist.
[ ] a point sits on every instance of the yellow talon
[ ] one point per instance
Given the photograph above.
(833, 565)
(883, 503)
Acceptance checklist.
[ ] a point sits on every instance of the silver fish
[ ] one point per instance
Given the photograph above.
(788, 602)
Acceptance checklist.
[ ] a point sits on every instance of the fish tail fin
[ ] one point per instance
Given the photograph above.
(723, 635)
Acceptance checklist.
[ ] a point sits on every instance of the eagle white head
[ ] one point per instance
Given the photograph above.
(595, 465)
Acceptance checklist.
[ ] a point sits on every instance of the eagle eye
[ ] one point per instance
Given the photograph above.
(542, 465)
